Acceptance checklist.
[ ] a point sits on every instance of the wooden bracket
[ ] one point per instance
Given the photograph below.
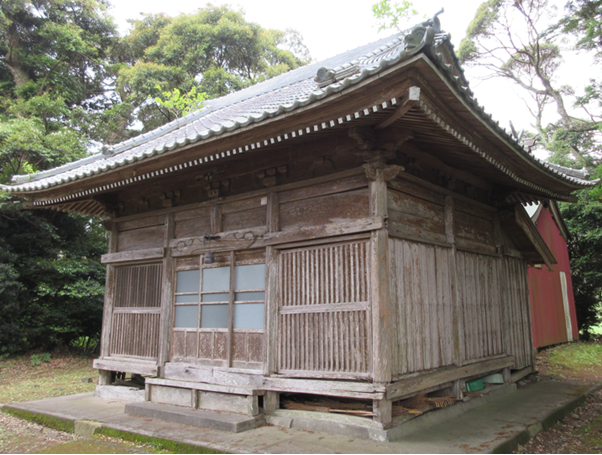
(171, 198)
(379, 172)
(268, 176)
(410, 98)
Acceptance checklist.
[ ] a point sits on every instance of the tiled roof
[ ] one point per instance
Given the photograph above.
(272, 98)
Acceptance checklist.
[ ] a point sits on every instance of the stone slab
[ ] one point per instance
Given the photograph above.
(233, 423)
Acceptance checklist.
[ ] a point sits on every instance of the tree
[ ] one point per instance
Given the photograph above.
(515, 40)
(213, 51)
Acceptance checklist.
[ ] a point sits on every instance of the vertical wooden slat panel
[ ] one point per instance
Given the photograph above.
(328, 340)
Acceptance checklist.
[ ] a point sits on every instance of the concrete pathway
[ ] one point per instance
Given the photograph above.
(497, 426)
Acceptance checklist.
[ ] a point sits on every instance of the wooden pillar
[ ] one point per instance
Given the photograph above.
(457, 316)
(107, 316)
(272, 399)
(379, 276)
(167, 291)
(382, 312)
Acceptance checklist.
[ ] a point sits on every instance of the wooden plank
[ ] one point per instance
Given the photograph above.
(321, 387)
(141, 239)
(419, 381)
(146, 221)
(136, 255)
(409, 232)
(457, 316)
(324, 308)
(330, 186)
(332, 208)
(244, 219)
(126, 366)
(236, 390)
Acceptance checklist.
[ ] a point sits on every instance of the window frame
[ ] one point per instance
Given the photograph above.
(232, 262)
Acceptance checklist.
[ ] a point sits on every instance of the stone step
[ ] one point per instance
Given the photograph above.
(233, 423)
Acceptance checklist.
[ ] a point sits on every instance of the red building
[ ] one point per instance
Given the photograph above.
(551, 291)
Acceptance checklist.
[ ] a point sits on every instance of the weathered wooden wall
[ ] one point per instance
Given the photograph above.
(516, 315)
(421, 294)
(446, 277)
(324, 311)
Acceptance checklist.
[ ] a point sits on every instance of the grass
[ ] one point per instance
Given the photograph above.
(577, 360)
(62, 375)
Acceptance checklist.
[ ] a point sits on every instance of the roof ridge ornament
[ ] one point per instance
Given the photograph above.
(326, 76)
(424, 32)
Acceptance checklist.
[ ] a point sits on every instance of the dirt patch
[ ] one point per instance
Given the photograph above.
(581, 430)
(21, 436)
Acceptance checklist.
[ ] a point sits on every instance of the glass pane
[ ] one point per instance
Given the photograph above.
(214, 317)
(249, 277)
(249, 296)
(248, 316)
(193, 298)
(215, 297)
(188, 281)
(186, 316)
(217, 279)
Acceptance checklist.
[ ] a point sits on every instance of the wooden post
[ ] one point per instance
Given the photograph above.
(457, 317)
(107, 317)
(104, 377)
(382, 312)
(383, 412)
(501, 278)
(229, 346)
(271, 401)
(271, 313)
(167, 291)
(273, 212)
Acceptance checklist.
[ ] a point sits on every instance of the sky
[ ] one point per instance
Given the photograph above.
(331, 27)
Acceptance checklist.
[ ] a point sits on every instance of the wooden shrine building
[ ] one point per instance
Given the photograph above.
(352, 229)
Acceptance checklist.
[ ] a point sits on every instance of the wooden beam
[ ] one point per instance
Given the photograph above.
(365, 390)
(409, 100)
(129, 256)
(417, 382)
(235, 390)
(127, 366)
(241, 239)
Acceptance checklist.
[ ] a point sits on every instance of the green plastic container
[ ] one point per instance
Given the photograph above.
(475, 385)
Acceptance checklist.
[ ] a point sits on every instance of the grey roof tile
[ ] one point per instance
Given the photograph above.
(266, 99)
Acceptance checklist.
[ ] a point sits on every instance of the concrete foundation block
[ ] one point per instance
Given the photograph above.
(230, 403)
(119, 393)
(174, 396)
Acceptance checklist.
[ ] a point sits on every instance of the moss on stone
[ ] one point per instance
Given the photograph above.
(55, 423)
(158, 443)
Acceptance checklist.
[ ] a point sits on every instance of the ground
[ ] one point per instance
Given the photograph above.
(581, 430)
(23, 379)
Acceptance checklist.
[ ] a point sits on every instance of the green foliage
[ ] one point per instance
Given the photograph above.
(214, 51)
(584, 20)
(37, 359)
(394, 15)
(178, 104)
(51, 281)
